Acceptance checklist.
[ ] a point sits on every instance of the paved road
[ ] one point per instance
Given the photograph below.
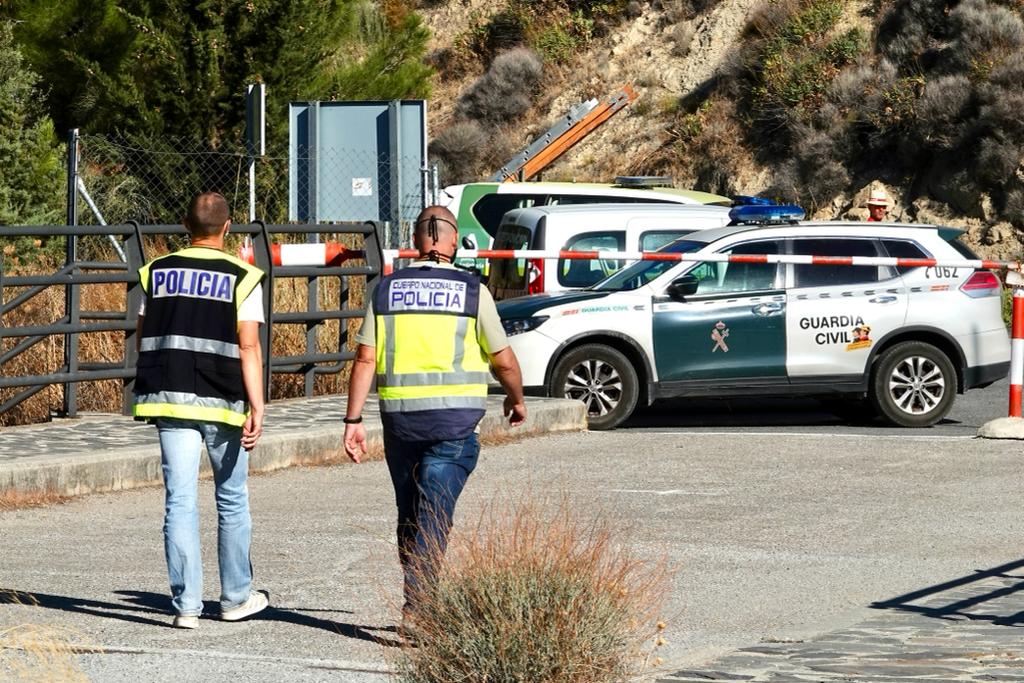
(787, 539)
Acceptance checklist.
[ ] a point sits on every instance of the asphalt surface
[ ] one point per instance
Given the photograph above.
(786, 529)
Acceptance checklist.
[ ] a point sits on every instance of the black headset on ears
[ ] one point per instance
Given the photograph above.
(432, 233)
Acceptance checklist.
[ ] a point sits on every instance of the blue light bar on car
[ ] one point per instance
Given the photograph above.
(765, 215)
(750, 200)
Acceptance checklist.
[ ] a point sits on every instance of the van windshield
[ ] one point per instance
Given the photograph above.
(644, 272)
(508, 277)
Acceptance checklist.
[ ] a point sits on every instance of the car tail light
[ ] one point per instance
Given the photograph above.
(536, 275)
(981, 283)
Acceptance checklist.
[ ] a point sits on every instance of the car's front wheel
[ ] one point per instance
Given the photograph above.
(913, 384)
(602, 378)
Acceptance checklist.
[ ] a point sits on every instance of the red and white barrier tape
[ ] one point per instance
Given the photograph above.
(391, 254)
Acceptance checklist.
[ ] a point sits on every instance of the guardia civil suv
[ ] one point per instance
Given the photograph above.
(898, 341)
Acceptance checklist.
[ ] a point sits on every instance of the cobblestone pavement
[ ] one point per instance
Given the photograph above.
(968, 629)
(94, 433)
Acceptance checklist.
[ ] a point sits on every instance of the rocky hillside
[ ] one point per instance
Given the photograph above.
(814, 101)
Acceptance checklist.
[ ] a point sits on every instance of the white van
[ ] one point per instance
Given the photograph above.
(478, 207)
(597, 227)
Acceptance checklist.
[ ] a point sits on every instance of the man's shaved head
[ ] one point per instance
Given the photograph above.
(207, 214)
(436, 231)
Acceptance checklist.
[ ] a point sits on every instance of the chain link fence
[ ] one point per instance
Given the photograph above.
(151, 181)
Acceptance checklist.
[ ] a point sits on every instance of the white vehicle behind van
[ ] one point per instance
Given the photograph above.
(598, 227)
(479, 207)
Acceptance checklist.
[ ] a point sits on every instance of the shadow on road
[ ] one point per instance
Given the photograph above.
(135, 604)
(757, 412)
(957, 606)
(97, 608)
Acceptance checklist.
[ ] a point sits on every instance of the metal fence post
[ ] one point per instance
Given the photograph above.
(312, 283)
(71, 291)
(395, 161)
(136, 258)
(374, 254)
(265, 262)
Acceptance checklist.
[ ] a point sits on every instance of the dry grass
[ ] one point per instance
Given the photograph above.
(38, 654)
(534, 593)
(47, 356)
(16, 500)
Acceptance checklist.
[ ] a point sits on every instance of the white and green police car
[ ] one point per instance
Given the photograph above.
(900, 341)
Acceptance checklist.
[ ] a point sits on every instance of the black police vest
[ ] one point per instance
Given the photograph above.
(189, 363)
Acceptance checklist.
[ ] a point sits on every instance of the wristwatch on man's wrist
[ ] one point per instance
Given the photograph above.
(352, 420)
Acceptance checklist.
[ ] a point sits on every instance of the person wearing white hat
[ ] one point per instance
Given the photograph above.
(878, 205)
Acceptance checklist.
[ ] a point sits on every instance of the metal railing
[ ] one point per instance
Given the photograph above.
(75, 322)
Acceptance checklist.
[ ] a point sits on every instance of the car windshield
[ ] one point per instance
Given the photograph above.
(644, 272)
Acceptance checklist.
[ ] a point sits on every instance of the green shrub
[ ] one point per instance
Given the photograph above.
(506, 91)
(798, 61)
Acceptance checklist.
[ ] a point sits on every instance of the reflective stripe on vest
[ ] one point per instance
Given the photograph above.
(428, 354)
(190, 407)
(182, 343)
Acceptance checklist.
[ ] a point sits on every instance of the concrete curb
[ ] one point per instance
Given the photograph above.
(126, 468)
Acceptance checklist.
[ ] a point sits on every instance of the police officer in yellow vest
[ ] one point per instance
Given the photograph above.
(199, 379)
(431, 335)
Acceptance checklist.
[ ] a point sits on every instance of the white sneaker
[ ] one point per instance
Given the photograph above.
(257, 602)
(186, 621)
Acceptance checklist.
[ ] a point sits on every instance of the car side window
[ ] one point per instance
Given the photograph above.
(807, 275)
(583, 273)
(490, 208)
(904, 249)
(722, 277)
(653, 240)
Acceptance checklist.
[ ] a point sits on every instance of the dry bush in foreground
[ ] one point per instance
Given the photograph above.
(535, 594)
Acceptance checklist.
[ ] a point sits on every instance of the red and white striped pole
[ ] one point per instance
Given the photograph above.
(1017, 353)
(322, 254)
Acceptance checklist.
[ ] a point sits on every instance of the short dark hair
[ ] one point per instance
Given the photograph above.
(207, 214)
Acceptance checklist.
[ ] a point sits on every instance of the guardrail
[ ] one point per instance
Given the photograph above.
(74, 322)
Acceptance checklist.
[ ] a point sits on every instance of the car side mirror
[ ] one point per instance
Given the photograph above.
(469, 242)
(683, 287)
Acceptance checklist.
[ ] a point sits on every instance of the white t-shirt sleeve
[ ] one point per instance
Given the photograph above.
(251, 309)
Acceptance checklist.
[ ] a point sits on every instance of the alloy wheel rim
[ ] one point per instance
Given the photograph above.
(917, 385)
(597, 384)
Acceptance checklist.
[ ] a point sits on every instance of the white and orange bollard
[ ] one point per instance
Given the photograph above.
(1017, 353)
(1012, 426)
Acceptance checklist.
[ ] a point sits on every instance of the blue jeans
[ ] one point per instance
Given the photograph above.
(180, 447)
(428, 477)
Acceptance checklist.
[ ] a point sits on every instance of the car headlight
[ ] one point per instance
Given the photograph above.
(520, 325)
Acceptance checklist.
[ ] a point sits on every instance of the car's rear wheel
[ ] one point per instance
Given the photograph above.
(602, 378)
(913, 384)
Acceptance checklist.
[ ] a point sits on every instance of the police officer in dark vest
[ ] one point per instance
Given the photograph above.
(431, 336)
(199, 379)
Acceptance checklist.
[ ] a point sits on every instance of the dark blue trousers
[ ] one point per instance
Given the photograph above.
(428, 477)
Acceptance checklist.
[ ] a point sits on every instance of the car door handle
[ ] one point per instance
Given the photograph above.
(767, 309)
(882, 299)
